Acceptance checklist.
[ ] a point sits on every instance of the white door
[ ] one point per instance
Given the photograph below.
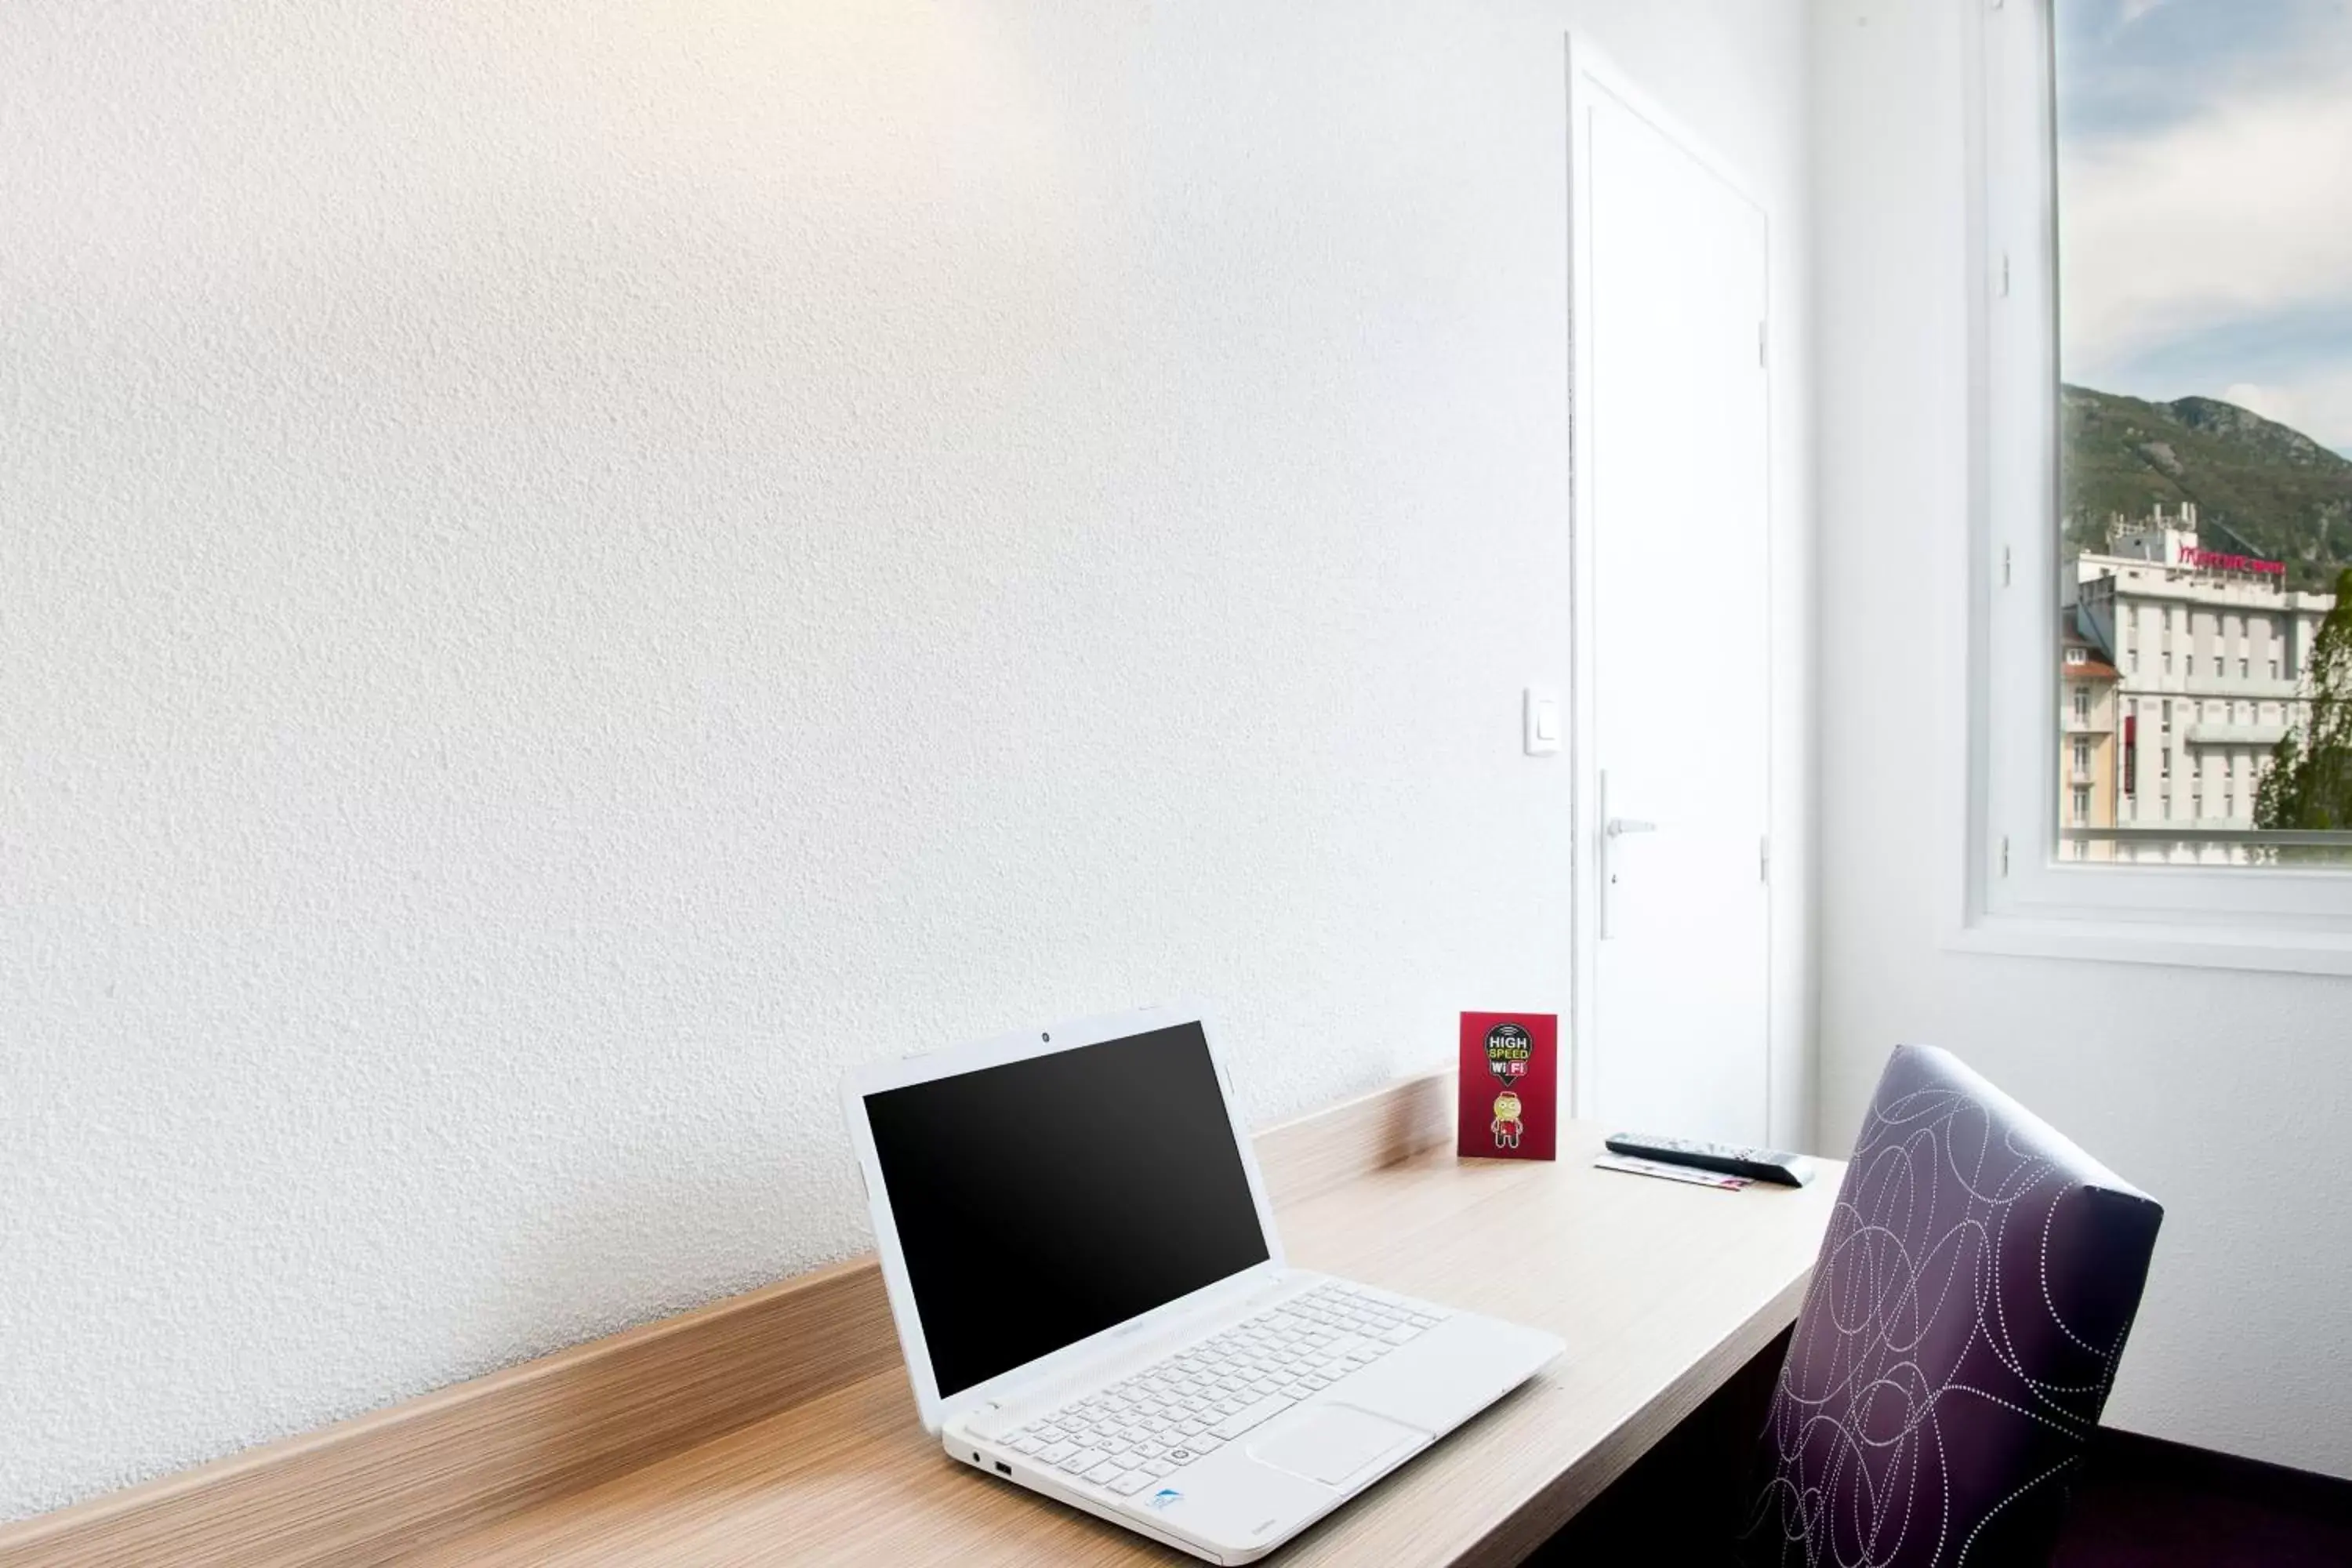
(1673, 683)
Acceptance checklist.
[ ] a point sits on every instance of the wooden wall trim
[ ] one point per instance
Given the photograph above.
(378, 1488)
(372, 1489)
(1328, 1148)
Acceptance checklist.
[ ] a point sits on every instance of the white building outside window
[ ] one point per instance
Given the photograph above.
(2144, 536)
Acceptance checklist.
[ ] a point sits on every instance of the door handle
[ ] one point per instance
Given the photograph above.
(1613, 828)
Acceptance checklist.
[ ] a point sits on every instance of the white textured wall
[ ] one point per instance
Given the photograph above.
(568, 571)
(2226, 1094)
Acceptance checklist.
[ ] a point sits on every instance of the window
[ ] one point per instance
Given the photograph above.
(2081, 757)
(2082, 808)
(2082, 705)
(2129, 349)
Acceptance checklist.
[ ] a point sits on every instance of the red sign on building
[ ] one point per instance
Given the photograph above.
(2215, 560)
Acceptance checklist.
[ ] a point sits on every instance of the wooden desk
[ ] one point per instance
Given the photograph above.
(1662, 1290)
(777, 1426)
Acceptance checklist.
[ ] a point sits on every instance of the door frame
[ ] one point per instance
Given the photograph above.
(1591, 73)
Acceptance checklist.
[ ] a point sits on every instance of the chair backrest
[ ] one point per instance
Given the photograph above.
(1958, 1339)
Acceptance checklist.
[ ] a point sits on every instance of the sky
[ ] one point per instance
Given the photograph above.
(2205, 203)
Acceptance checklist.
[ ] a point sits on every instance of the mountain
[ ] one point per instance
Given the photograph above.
(2260, 488)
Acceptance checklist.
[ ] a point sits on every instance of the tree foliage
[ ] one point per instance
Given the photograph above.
(2310, 781)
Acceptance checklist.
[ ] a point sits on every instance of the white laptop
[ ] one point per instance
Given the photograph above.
(1094, 1303)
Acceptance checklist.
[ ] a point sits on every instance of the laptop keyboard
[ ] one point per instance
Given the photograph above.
(1135, 1434)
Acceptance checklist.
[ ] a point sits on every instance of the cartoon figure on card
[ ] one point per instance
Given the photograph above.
(1508, 1123)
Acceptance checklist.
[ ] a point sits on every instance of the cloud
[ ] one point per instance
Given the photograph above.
(2319, 406)
(2127, 67)
(2236, 215)
(2273, 403)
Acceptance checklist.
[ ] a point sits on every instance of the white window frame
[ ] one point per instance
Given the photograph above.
(2017, 894)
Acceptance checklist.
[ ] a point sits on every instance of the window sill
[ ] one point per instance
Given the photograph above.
(2183, 945)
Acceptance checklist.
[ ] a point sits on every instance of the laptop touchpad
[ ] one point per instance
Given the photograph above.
(1331, 1443)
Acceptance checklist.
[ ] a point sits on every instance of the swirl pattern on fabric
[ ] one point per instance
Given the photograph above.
(1958, 1337)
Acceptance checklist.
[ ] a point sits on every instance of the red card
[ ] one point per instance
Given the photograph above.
(1510, 1086)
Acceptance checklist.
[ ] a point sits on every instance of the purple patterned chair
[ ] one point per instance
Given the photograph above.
(1959, 1339)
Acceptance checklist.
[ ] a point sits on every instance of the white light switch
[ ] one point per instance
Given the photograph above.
(1539, 715)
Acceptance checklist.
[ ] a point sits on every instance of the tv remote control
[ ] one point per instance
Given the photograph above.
(1755, 1165)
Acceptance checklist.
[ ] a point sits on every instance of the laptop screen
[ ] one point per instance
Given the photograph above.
(1046, 1200)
